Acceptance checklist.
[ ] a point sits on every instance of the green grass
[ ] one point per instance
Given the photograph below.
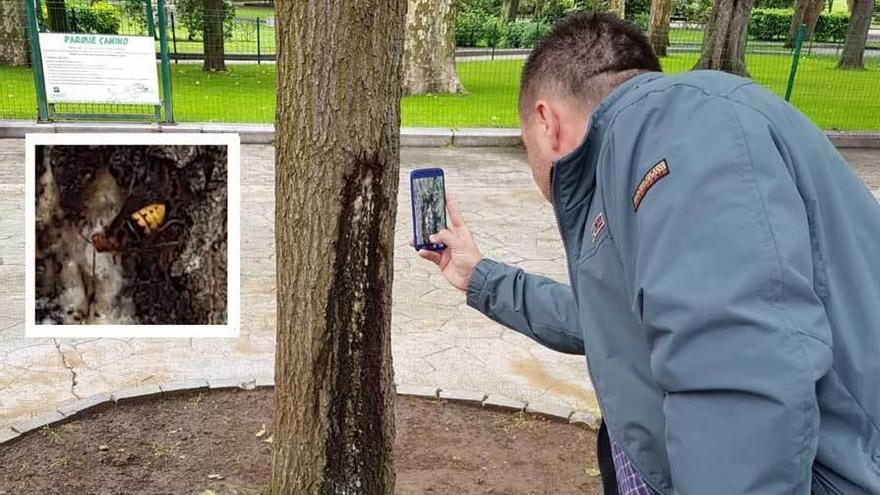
(834, 99)
(256, 12)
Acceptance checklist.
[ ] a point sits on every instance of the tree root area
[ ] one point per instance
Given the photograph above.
(221, 441)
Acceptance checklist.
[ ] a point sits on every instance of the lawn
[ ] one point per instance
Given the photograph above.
(834, 99)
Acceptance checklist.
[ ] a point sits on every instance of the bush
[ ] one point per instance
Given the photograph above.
(191, 14)
(98, 18)
(692, 10)
(476, 28)
(774, 4)
(831, 27)
(640, 21)
(524, 34)
(770, 24)
(636, 9)
(773, 25)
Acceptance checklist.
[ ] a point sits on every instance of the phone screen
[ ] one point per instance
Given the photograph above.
(429, 206)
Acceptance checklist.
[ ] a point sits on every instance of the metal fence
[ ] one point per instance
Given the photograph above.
(241, 88)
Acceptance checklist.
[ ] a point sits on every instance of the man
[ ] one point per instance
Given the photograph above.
(723, 263)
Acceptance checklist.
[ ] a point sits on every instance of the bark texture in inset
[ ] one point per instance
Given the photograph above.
(658, 26)
(337, 165)
(429, 54)
(13, 33)
(96, 264)
(724, 40)
(852, 56)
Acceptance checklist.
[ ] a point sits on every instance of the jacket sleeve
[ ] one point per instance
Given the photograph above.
(535, 306)
(720, 270)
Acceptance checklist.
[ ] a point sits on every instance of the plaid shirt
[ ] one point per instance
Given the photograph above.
(628, 480)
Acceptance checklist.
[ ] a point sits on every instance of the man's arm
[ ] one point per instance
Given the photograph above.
(719, 264)
(533, 305)
(538, 307)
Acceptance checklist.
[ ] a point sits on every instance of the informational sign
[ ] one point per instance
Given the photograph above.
(99, 68)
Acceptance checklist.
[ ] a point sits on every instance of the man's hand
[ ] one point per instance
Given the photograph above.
(461, 255)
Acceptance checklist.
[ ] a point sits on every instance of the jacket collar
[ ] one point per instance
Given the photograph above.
(573, 177)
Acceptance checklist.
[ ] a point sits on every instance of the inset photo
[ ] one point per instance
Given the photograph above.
(132, 235)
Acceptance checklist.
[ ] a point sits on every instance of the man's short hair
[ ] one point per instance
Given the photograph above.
(578, 49)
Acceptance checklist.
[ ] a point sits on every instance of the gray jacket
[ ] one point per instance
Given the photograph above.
(725, 284)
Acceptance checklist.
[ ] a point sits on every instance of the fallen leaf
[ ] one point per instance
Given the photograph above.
(592, 472)
(103, 447)
(270, 439)
(262, 431)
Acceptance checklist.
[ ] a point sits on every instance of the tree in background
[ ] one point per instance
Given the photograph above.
(429, 48)
(852, 56)
(13, 32)
(213, 39)
(805, 12)
(658, 25)
(724, 39)
(509, 10)
(337, 165)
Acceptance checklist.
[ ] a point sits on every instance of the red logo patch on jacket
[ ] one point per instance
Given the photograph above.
(598, 225)
(652, 176)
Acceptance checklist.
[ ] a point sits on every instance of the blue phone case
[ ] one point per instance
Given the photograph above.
(421, 174)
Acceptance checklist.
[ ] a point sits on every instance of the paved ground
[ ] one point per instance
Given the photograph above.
(437, 340)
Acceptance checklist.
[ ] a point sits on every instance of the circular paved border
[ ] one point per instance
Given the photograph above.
(493, 401)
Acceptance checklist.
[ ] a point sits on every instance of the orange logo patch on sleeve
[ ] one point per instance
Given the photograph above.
(652, 176)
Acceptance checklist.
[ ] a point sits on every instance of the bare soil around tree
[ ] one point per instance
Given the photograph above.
(220, 443)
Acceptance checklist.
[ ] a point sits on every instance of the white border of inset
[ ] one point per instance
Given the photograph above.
(233, 245)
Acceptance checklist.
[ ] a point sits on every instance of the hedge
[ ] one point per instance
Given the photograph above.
(773, 25)
(98, 18)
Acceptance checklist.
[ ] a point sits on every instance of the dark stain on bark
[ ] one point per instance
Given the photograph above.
(356, 445)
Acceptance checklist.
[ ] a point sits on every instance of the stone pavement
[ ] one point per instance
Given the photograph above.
(437, 341)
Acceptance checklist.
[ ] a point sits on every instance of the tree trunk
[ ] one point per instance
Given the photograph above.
(337, 165)
(658, 26)
(805, 12)
(213, 35)
(724, 41)
(617, 7)
(509, 10)
(857, 35)
(429, 49)
(13, 33)
(56, 16)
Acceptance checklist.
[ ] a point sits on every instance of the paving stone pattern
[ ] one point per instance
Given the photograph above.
(438, 342)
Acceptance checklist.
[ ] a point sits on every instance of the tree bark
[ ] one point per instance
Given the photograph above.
(617, 7)
(658, 26)
(212, 25)
(13, 32)
(509, 10)
(857, 35)
(724, 40)
(56, 16)
(337, 165)
(805, 12)
(429, 49)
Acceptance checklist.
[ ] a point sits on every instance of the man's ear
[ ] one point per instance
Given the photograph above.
(549, 119)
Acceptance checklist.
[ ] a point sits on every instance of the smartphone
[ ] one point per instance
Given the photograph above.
(428, 194)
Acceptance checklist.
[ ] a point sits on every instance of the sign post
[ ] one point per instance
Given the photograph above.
(100, 69)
